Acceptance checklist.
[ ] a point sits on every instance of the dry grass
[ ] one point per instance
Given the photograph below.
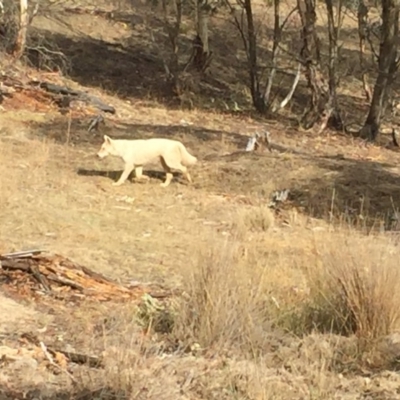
(236, 291)
(230, 335)
(259, 218)
(287, 305)
(354, 286)
(268, 310)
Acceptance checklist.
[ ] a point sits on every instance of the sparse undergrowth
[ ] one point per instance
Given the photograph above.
(265, 339)
(238, 293)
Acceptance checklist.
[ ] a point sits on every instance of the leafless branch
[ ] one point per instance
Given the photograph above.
(289, 96)
(238, 25)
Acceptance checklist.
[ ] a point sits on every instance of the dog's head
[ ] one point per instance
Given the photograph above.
(107, 148)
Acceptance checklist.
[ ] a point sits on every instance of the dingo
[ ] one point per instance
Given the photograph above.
(136, 153)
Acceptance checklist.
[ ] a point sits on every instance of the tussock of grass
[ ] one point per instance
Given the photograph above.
(234, 297)
(225, 303)
(354, 286)
(255, 219)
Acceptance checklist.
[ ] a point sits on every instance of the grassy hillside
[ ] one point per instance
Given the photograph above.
(294, 302)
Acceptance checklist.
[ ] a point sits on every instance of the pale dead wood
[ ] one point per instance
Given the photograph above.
(20, 42)
(52, 362)
(289, 96)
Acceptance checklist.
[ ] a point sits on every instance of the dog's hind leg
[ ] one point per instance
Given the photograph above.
(169, 174)
(124, 176)
(139, 174)
(171, 163)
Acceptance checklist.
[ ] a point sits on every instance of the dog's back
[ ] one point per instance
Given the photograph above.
(146, 151)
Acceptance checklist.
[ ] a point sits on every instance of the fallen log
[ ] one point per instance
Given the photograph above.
(74, 95)
(61, 278)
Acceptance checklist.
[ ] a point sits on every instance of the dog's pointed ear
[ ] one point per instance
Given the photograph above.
(107, 139)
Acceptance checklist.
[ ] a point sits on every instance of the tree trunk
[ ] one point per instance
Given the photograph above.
(311, 59)
(201, 49)
(388, 66)
(362, 16)
(257, 96)
(202, 23)
(275, 51)
(173, 30)
(23, 27)
(332, 112)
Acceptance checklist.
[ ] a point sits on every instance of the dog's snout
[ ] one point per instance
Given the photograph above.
(100, 154)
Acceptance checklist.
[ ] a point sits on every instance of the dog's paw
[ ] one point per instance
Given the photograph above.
(143, 178)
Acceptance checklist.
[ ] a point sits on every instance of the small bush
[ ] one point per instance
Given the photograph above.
(155, 316)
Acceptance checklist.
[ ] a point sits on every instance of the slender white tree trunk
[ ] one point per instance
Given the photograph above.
(23, 27)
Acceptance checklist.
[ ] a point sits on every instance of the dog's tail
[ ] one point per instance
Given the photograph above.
(186, 158)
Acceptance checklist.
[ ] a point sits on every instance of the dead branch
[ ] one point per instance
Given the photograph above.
(33, 14)
(289, 96)
(53, 363)
(238, 25)
(395, 137)
(39, 277)
(77, 358)
(65, 282)
(21, 254)
(94, 123)
(51, 351)
(278, 29)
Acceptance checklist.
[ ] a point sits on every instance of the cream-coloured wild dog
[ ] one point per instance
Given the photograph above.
(137, 153)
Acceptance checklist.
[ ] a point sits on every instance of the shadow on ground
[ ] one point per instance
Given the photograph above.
(360, 192)
(114, 175)
(57, 130)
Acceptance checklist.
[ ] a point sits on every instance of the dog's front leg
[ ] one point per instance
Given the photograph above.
(124, 176)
